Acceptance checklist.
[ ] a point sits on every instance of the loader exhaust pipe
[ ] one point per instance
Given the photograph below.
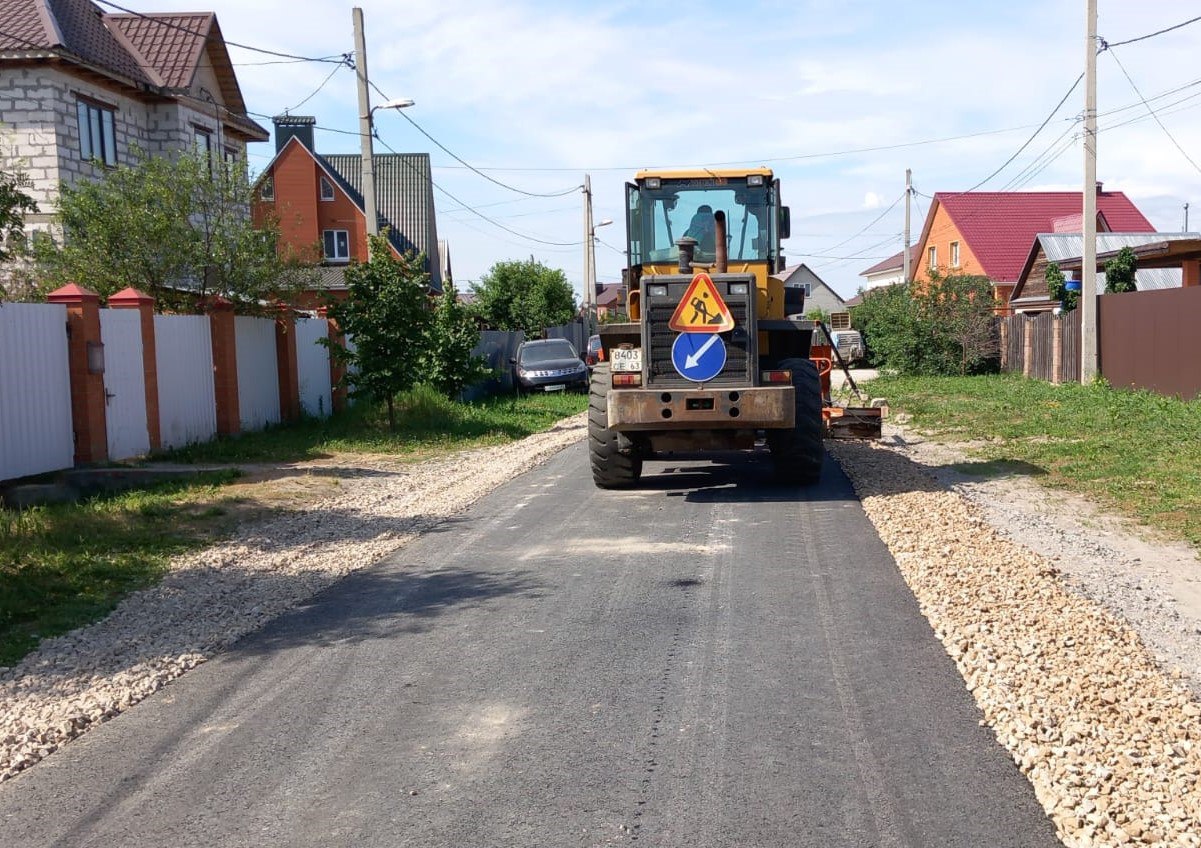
(721, 260)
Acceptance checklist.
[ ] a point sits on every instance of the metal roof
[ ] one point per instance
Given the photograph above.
(1058, 247)
(404, 200)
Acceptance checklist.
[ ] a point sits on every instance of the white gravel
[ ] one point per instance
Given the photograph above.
(210, 599)
(1110, 741)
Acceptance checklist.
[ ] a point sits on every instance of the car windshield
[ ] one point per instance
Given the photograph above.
(559, 349)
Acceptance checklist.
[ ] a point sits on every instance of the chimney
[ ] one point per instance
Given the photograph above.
(1099, 184)
(287, 126)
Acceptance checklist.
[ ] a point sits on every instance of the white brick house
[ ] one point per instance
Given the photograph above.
(81, 89)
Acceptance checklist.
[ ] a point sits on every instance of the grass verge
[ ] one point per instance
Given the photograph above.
(1134, 452)
(426, 424)
(66, 565)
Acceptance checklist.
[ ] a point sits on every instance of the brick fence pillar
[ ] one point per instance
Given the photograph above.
(131, 298)
(1005, 364)
(225, 365)
(336, 369)
(1027, 348)
(286, 364)
(87, 384)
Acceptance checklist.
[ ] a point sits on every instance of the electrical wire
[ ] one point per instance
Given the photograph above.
(468, 165)
(343, 58)
(875, 221)
(1152, 112)
(479, 214)
(316, 91)
(1153, 34)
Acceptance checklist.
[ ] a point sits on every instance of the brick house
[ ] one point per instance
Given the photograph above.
(80, 89)
(989, 233)
(317, 200)
(886, 272)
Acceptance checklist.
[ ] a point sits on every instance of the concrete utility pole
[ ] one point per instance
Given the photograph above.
(1185, 218)
(1088, 262)
(360, 70)
(589, 256)
(908, 198)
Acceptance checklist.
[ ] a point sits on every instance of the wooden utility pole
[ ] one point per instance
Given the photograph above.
(368, 154)
(1088, 261)
(589, 267)
(908, 198)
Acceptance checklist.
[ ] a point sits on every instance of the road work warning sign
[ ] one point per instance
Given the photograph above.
(702, 310)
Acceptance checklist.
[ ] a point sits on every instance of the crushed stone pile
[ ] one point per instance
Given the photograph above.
(1110, 742)
(211, 598)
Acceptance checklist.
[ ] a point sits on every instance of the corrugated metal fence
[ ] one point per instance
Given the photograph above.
(1149, 340)
(187, 402)
(312, 366)
(35, 390)
(258, 372)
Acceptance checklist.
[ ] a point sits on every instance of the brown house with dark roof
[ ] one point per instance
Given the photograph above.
(81, 88)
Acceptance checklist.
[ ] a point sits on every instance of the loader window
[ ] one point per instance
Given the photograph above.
(660, 216)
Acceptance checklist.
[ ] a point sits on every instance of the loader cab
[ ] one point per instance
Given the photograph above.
(662, 209)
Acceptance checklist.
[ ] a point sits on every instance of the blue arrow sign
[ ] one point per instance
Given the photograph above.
(698, 357)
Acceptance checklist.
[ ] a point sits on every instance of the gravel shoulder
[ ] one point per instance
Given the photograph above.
(312, 534)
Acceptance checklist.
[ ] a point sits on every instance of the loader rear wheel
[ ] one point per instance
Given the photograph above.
(798, 453)
(611, 469)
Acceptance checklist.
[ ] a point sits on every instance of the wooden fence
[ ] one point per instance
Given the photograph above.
(1043, 346)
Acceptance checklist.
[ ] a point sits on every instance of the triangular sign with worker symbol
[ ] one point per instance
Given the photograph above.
(702, 310)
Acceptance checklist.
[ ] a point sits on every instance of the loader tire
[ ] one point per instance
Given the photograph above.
(611, 469)
(798, 453)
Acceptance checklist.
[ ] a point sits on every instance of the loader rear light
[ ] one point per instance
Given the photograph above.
(627, 379)
(776, 377)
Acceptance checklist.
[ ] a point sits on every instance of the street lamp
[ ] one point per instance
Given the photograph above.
(590, 283)
(366, 130)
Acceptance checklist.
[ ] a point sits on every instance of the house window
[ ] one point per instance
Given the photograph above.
(204, 145)
(267, 192)
(97, 138)
(933, 258)
(954, 254)
(231, 156)
(327, 189)
(337, 245)
(808, 289)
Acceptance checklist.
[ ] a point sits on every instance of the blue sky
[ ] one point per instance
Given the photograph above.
(538, 93)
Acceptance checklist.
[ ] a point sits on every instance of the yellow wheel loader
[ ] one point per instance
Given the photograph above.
(716, 355)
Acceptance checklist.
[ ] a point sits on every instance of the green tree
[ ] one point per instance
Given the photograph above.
(818, 314)
(452, 336)
(385, 315)
(524, 295)
(14, 205)
(1119, 272)
(176, 228)
(1057, 288)
(943, 326)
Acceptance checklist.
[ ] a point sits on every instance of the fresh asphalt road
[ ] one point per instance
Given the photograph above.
(707, 661)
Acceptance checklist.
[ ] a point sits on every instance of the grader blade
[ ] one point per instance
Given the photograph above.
(854, 422)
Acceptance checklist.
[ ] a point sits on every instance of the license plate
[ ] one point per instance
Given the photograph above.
(624, 359)
(555, 387)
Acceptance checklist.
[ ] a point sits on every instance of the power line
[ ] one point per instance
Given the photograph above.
(481, 215)
(1153, 34)
(865, 229)
(1162, 126)
(1026, 144)
(342, 59)
(316, 91)
(468, 165)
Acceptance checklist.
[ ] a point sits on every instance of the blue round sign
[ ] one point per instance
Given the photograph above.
(698, 357)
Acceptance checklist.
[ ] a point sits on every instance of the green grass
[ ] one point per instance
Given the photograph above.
(426, 423)
(67, 565)
(1137, 452)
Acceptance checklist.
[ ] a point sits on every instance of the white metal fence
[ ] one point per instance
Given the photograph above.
(35, 390)
(187, 406)
(312, 366)
(258, 374)
(124, 383)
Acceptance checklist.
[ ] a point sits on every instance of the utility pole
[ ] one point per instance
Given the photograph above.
(908, 197)
(1088, 262)
(589, 256)
(1185, 218)
(368, 154)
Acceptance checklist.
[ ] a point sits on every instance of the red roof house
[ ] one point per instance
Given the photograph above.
(990, 233)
